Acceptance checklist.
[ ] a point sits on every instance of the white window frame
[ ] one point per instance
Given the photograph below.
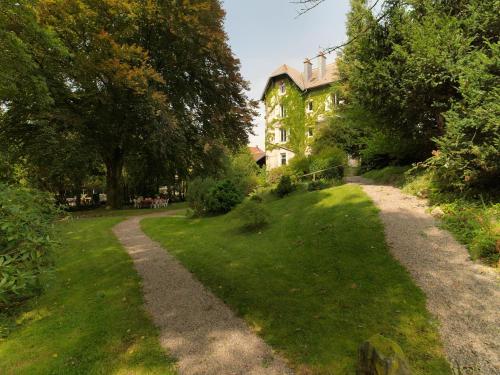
(310, 106)
(283, 158)
(283, 135)
(282, 110)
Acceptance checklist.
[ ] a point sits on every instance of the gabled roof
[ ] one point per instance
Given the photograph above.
(257, 153)
(298, 77)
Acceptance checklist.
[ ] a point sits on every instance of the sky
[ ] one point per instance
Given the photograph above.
(265, 34)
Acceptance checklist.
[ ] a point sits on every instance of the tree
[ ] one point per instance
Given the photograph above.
(139, 74)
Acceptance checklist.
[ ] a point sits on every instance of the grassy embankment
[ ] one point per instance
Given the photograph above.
(315, 283)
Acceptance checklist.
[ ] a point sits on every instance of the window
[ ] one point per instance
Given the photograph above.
(328, 103)
(283, 135)
(283, 158)
(310, 132)
(282, 111)
(282, 87)
(310, 105)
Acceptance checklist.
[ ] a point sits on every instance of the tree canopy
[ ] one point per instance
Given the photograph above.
(132, 83)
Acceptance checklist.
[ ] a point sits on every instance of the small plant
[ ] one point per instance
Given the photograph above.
(284, 187)
(318, 185)
(222, 197)
(253, 215)
(197, 194)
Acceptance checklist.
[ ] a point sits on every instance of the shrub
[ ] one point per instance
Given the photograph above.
(284, 187)
(222, 197)
(275, 174)
(243, 172)
(197, 194)
(331, 158)
(253, 215)
(318, 185)
(300, 165)
(26, 218)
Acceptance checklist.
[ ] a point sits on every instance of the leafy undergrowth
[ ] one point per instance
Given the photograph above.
(90, 319)
(315, 283)
(472, 221)
(393, 175)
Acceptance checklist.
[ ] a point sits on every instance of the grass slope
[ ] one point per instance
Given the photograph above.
(90, 319)
(315, 284)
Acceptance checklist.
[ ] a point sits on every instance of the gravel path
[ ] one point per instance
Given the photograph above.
(463, 295)
(197, 328)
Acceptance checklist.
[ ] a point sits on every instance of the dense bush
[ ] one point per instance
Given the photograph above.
(222, 197)
(26, 218)
(331, 158)
(318, 184)
(274, 175)
(253, 215)
(197, 194)
(469, 152)
(300, 165)
(243, 172)
(285, 186)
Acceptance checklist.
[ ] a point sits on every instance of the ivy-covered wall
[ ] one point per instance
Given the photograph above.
(298, 118)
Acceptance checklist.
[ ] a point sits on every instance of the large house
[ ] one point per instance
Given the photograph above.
(296, 104)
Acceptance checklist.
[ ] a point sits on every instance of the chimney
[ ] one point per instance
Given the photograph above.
(322, 65)
(307, 70)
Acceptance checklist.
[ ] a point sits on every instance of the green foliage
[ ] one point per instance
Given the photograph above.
(285, 186)
(343, 132)
(319, 184)
(476, 225)
(388, 175)
(331, 158)
(425, 79)
(243, 172)
(26, 241)
(469, 153)
(253, 215)
(118, 81)
(274, 175)
(222, 197)
(300, 165)
(197, 194)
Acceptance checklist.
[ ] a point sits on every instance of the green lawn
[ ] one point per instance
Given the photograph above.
(90, 319)
(315, 284)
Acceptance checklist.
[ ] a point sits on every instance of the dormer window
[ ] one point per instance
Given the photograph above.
(282, 87)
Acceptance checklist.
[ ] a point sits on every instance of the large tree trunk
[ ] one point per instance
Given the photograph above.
(114, 179)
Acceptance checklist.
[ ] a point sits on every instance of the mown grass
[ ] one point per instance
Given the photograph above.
(316, 283)
(90, 319)
(472, 221)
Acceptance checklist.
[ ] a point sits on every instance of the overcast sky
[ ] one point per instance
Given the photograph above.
(265, 34)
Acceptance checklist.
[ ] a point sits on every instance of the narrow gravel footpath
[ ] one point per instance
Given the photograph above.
(197, 328)
(463, 295)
